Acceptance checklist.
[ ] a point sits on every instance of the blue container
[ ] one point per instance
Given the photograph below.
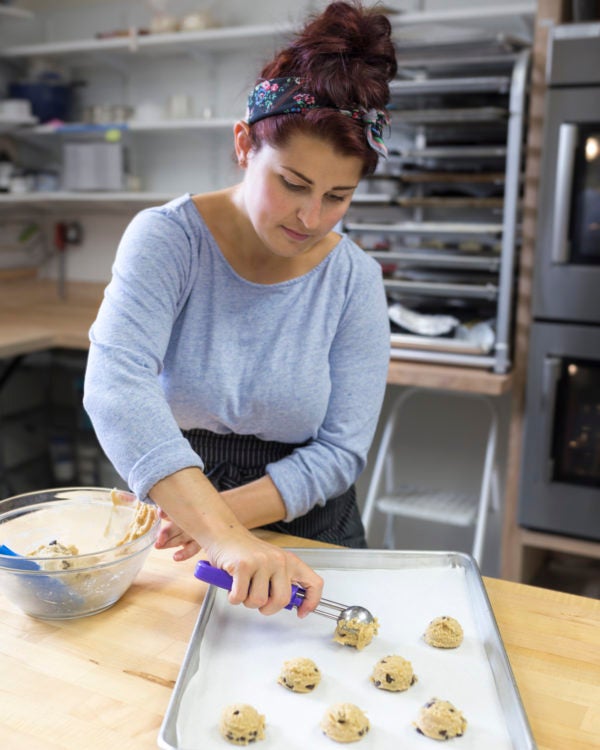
(49, 101)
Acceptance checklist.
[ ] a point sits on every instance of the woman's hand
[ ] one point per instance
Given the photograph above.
(263, 574)
(170, 535)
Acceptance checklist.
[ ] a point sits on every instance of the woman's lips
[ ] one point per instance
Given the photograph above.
(295, 235)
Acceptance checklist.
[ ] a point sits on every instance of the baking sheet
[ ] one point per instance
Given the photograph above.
(235, 655)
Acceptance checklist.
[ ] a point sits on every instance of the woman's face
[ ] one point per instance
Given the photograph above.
(296, 194)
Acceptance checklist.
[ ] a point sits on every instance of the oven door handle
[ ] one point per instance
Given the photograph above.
(550, 377)
(565, 165)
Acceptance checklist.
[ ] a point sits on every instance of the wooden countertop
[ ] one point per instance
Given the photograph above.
(33, 318)
(105, 681)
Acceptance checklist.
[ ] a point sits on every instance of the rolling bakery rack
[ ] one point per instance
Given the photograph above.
(442, 214)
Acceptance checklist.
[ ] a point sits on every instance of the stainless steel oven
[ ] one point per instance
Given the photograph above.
(560, 472)
(567, 271)
(560, 475)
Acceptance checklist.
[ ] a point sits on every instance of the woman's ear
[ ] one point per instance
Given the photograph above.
(242, 142)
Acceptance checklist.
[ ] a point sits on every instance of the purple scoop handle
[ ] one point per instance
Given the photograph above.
(219, 577)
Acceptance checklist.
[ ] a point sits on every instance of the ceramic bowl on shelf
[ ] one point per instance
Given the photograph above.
(72, 551)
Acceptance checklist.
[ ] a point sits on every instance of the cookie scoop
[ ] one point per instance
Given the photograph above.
(343, 614)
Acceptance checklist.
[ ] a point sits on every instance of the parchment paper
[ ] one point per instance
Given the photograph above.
(242, 652)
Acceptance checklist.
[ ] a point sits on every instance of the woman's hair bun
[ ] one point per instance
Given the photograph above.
(346, 55)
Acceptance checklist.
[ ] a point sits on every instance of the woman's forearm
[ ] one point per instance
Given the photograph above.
(256, 503)
(190, 500)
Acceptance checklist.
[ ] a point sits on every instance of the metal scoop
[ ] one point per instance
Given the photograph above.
(326, 608)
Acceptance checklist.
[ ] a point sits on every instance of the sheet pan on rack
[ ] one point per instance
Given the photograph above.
(235, 655)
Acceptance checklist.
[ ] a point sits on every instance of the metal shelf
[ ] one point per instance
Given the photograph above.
(471, 85)
(439, 289)
(437, 259)
(87, 51)
(96, 202)
(132, 126)
(18, 14)
(450, 194)
(453, 230)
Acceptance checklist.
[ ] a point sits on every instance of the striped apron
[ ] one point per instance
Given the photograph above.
(234, 460)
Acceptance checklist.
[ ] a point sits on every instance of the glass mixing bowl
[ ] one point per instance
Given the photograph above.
(72, 551)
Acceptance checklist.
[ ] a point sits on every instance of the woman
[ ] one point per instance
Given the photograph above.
(238, 362)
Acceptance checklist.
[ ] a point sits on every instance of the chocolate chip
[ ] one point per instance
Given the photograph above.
(429, 704)
(377, 683)
(341, 721)
(229, 736)
(443, 733)
(419, 730)
(361, 732)
(414, 679)
(389, 679)
(309, 687)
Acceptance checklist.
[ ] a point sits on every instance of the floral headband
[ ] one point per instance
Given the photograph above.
(282, 96)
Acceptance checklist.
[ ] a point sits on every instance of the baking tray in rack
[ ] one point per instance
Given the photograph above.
(235, 655)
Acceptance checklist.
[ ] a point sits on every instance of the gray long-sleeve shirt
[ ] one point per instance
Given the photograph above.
(181, 341)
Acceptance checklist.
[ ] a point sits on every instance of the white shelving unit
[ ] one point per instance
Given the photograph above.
(121, 54)
(207, 49)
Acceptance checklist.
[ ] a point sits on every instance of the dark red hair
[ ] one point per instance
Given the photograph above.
(347, 58)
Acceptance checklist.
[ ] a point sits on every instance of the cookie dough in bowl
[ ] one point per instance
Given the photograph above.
(393, 673)
(444, 632)
(301, 675)
(345, 722)
(440, 720)
(356, 633)
(241, 724)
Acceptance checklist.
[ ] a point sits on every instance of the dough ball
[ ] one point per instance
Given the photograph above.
(356, 633)
(300, 675)
(241, 724)
(440, 720)
(444, 632)
(345, 722)
(393, 673)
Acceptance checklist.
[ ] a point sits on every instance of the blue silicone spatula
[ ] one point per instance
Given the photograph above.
(42, 586)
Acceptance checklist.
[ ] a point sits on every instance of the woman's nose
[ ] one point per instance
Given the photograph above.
(309, 213)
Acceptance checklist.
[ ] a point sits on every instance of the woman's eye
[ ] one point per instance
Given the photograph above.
(337, 198)
(292, 185)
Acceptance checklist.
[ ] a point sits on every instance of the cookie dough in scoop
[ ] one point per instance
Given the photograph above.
(356, 633)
